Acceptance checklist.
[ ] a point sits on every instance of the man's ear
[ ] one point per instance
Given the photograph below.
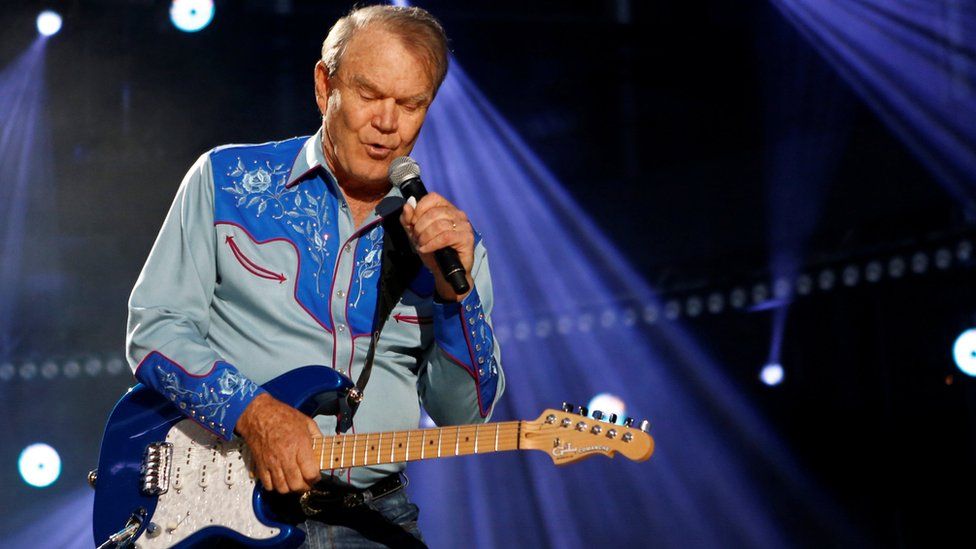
(322, 87)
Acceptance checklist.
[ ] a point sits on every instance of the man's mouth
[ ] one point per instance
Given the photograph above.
(377, 151)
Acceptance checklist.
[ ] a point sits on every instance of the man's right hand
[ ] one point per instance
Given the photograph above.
(280, 438)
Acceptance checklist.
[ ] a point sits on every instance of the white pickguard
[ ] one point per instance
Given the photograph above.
(209, 485)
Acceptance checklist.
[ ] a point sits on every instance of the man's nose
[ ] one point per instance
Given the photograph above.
(385, 119)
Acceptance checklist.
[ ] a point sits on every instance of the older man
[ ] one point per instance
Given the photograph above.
(270, 259)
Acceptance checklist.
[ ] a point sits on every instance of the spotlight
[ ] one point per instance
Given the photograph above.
(964, 352)
(851, 275)
(694, 306)
(191, 15)
(896, 267)
(782, 288)
(608, 318)
(737, 298)
(760, 293)
(825, 280)
(40, 465)
(630, 317)
(92, 366)
(502, 332)
(964, 250)
(49, 369)
(28, 370)
(71, 369)
(564, 325)
(522, 330)
(114, 366)
(609, 404)
(585, 322)
(543, 328)
(804, 284)
(48, 23)
(650, 314)
(672, 309)
(772, 374)
(873, 271)
(716, 302)
(920, 263)
(943, 258)
(7, 371)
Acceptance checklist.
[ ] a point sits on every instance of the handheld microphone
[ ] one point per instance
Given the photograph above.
(405, 174)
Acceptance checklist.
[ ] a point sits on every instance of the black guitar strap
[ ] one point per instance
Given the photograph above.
(399, 266)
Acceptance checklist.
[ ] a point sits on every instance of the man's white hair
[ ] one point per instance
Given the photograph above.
(418, 29)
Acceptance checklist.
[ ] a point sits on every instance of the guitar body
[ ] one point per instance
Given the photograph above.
(190, 487)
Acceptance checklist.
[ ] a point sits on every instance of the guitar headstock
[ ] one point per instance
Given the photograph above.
(568, 436)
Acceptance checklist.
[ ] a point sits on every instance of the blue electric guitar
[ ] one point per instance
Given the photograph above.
(164, 481)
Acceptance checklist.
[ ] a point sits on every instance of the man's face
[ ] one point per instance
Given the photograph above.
(373, 107)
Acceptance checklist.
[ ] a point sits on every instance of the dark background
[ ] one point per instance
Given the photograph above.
(654, 118)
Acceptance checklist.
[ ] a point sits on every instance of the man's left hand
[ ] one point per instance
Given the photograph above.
(433, 224)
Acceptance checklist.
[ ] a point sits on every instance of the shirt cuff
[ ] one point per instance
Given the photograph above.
(215, 399)
(463, 334)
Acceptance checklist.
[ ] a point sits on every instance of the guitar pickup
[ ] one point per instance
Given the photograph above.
(155, 468)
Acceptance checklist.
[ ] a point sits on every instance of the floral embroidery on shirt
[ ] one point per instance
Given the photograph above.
(370, 263)
(210, 403)
(262, 185)
(303, 211)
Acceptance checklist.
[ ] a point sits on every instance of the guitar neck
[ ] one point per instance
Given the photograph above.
(356, 450)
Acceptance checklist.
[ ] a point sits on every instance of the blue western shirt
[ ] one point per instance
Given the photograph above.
(259, 269)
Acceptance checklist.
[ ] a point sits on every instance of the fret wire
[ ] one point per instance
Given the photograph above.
(332, 445)
(423, 444)
(379, 444)
(407, 456)
(365, 448)
(439, 433)
(392, 446)
(476, 436)
(457, 440)
(496, 436)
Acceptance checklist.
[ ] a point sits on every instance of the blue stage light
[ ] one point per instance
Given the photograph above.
(48, 23)
(609, 404)
(191, 15)
(964, 352)
(772, 374)
(40, 465)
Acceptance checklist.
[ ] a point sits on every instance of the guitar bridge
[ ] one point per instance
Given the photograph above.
(155, 468)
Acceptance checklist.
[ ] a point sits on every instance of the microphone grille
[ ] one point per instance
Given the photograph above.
(403, 168)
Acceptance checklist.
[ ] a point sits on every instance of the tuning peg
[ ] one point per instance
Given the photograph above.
(597, 415)
(612, 418)
(567, 407)
(583, 411)
(629, 422)
(645, 425)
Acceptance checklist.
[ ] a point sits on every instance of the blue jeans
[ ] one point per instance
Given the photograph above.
(390, 521)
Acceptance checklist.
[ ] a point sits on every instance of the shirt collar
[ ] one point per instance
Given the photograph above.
(309, 158)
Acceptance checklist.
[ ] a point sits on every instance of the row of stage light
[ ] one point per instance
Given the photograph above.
(186, 15)
(758, 296)
(621, 314)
